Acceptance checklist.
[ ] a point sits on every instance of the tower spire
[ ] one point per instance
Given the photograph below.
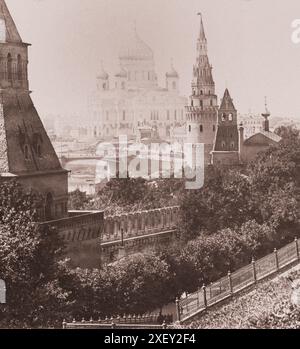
(9, 31)
(202, 36)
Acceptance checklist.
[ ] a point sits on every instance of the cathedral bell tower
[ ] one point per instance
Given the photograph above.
(226, 147)
(203, 108)
(26, 152)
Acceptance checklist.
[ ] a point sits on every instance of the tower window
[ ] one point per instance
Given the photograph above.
(223, 117)
(9, 67)
(230, 117)
(19, 68)
(26, 152)
(223, 144)
(232, 145)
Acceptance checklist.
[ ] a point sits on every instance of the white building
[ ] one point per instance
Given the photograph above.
(132, 99)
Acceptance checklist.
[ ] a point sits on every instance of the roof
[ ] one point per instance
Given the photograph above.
(256, 139)
(136, 49)
(227, 103)
(12, 34)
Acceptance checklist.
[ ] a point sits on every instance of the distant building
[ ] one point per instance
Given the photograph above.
(252, 124)
(132, 99)
(202, 111)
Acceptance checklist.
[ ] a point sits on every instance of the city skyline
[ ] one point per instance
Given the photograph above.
(244, 60)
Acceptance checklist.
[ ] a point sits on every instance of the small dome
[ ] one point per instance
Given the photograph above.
(103, 75)
(121, 73)
(172, 73)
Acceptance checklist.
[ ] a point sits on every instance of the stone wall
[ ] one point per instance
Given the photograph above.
(81, 232)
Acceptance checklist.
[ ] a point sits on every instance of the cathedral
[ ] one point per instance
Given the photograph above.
(131, 102)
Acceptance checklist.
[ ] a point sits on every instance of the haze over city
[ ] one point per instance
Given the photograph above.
(249, 45)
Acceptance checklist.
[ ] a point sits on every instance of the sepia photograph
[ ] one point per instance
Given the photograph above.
(149, 167)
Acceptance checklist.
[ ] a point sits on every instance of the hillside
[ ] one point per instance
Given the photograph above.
(270, 306)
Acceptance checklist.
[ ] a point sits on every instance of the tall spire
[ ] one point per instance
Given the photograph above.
(202, 36)
(8, 26)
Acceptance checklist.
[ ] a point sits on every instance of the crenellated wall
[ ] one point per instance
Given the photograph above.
(92, 240)
(137, 232)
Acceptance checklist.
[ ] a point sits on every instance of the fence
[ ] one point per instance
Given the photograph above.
(125, 322)
(224, 288)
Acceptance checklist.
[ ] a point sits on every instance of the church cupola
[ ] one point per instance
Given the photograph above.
(121, 79)
(172, 79)
(103, 80)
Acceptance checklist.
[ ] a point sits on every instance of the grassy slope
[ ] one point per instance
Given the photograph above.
(269, 306)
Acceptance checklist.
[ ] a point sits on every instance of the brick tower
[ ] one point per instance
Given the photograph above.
(26, 152)
(202, 111)
(226, 147)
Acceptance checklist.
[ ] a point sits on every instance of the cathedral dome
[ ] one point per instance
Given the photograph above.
(136, 49)
(121, 73)
(103, 75)
(172, 73)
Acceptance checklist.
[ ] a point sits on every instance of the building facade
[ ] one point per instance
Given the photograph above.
(226, 146)
(132, 98)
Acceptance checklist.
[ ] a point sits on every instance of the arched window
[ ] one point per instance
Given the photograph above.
(19, 68)
(201, 104)
(232, 145)
(223, 117)
(26, 152)
(9, 68)
(201, 128)
(190, 128)
(201, 92)
(211, 103)
(230, 117)
(223, 145)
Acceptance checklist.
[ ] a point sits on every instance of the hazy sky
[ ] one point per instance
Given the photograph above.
(249, 44)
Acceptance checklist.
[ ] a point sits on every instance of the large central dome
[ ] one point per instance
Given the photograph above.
(136, 49)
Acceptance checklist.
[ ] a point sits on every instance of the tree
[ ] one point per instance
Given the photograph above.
(30, 264)
(78, 200)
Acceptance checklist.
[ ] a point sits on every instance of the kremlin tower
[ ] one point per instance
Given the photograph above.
(202, 111)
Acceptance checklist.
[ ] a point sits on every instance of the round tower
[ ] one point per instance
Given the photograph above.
(202, 112)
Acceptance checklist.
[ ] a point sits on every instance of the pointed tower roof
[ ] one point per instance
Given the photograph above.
(227, 103)
(202, 36)
(7, 25)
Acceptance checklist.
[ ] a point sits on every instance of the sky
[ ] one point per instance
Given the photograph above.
(249, 43)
